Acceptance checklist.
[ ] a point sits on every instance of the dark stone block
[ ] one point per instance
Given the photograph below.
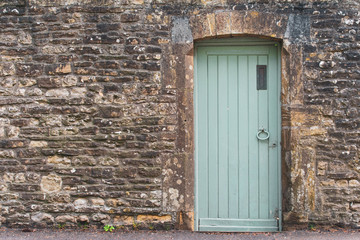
(49, 17)
(19, 52)
(110, 112)
(101, 173)
(29, 70)
(86, 50)
(58, 69)
(149, 172)
(44, 58)
(115, 181)
(121, 79)
(103, 39)
(107, 65)
(12, 3)
(298, 28)
(111, 88)
(126, 172)
(131, 64)
(151, 66)
(329, 23)
(13, 10)
(352, 56)
(153, 50)
(32, 196)
(13, 143)
(26, 19)
(150, 154)
(133, 41)
(49, 82)
(134, 49)
(106, 27)
(135, 145)
(24, 187)
(129, 17)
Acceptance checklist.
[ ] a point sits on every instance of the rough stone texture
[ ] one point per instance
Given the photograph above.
(51, 183)
(96, 115)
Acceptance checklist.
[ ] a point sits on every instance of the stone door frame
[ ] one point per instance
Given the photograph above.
(298, 189)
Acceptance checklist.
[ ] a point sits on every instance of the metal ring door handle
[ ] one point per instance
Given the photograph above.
(265, 132)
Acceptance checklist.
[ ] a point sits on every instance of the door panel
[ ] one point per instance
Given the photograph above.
(213, 137)
(237, 174)
(233, 140)
(253, 159)
(243, 106)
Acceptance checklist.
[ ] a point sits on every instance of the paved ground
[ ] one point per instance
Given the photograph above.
(7, 234)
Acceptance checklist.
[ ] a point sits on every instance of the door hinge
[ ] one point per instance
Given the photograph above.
(277, 217)
(276, 214)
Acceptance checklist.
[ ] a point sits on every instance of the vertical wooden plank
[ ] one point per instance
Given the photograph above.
(253, 141)
(213, 136)
(202, 136)
(233, 138)
(263, 148)
(274, 99)
(243, 123)
(223, 137)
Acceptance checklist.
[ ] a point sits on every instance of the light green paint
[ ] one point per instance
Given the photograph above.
(237, 175)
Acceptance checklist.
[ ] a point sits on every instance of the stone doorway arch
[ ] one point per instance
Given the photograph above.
(298, 188)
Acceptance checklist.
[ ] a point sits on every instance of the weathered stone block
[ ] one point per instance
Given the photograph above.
(66, 218)
(42, 218)
(149, 172)
(49, 82)
(107, 64)
(354, 183)
(32, 196)
(106, 27)
(57, 93)
(153, 219)
(110, 112)
(103, 218)
(24, 187)
(58, 160)
(129, 17)
(203, 27)
(223, 23)
(51, 183)
(123, 220)
(38, 144)
(7, 69)
(80, 203)
(342, 183)
(58, 197)
(97, 201)
(82, 218)
(329, 23)
(352, 56)
(13, 143)
(58, 69)
(29, 70)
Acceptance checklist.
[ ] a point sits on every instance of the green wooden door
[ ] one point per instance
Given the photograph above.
(237, 108)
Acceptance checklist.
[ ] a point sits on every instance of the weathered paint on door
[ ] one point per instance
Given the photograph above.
(237, 173)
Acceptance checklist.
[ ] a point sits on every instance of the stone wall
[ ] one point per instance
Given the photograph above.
(96, 107)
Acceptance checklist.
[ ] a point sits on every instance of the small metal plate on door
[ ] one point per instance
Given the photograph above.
(261, 77)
